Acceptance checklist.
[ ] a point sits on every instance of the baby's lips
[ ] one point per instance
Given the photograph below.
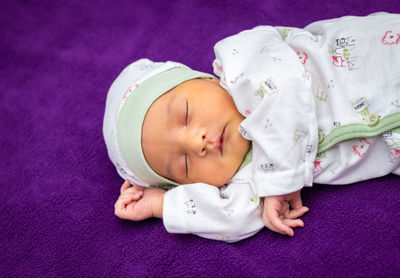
(220, 141)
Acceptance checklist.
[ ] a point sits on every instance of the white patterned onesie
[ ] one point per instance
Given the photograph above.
(322, 104)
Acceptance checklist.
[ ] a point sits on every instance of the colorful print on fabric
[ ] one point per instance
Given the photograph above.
(267, 167)
(129, 91)
(338, 61)
(237, 78)
(317, 166)
(392, 141)
(298, 134)
(254, 198)
(242, 131)
(218, 66)
(285, 32)
(396, 103)
(190, 207)
(361, 148)
(395, 153)
(360, 105)
(342, 52)
(268, 123)
(321, 95)
(267, 87)
(390, 38)
(303, 57)
(318, 162)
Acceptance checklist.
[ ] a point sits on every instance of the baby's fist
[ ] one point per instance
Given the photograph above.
(138, 203)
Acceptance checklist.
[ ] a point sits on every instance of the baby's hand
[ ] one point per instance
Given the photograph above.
(138, 202)
(278, 217)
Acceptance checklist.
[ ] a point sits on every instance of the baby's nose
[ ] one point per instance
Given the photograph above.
(196, 142)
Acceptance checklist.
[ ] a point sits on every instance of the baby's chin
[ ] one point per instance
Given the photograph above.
(220, 183)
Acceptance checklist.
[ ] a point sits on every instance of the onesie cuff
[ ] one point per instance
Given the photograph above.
(173, 221)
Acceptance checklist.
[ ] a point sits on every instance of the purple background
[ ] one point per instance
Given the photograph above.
(58, 187)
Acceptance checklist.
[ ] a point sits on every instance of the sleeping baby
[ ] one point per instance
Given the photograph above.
(290, 107)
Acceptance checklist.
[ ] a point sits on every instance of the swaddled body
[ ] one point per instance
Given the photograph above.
(322, 104)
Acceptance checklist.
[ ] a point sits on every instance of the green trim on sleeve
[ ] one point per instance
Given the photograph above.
(358, 130)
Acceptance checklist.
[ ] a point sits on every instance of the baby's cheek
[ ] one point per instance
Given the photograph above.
(211, 172)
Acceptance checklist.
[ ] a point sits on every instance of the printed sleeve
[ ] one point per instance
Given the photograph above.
(228, 214)
(272, 89)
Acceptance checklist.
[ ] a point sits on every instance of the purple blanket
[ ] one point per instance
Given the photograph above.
(58, 187)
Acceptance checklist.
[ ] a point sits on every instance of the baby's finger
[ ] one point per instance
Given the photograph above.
(132, 193)
(137, 195)
(296, 213)
(125, 186)
(138, 188)
(296, 203)
(293, 223)
(119, 208)
(129, 199)
(280, 227)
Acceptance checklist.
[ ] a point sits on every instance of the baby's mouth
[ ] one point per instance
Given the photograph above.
(221, 141)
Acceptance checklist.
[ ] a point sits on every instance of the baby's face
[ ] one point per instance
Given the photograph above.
(190, 134)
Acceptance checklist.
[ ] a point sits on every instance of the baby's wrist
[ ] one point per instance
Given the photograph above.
(157, 205)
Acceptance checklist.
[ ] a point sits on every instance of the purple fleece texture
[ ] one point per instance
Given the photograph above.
(58, 187)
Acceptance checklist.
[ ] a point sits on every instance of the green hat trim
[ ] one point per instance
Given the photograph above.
(133, 112)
